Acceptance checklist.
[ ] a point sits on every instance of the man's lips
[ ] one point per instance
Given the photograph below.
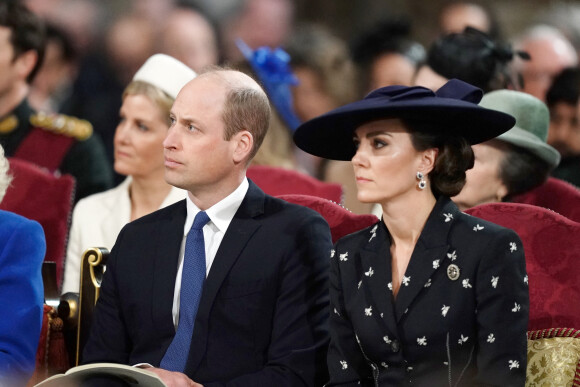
(169, 162)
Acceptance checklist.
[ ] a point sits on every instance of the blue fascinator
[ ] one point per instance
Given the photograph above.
(273, 70)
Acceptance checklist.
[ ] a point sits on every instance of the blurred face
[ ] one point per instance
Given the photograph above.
(483, 184)
(197, 157)
(310, 99)
(428, 78)
(564, 133)
(7, 65)
(391, 69)
(386, 163)
(139, 138)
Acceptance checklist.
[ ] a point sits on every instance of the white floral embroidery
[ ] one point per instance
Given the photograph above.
(409, 369)
(384, 365)
(494, 281)
(526, 279)
(466, 283)
(343, 257)
(344, 364)
(514, 364)
(463, 339)
(513, 247)
(369, 311)
(446, 363)
(332, 253)
(478, 228)
(336, 312)
(452, 256)
(444, 310)
(516, 307)
(370, 272)
(359, 283)
(406, 310)
(448, 217)
(436, 264)
(387, 340)
(390, 286)
(428, 283)
(406, 280)
(422, 340)
(490, 338)
(382, 315)
(373, 233)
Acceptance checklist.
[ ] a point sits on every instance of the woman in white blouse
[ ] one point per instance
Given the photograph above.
(144, 120)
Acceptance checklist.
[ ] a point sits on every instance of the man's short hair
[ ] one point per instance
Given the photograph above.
(27, 31)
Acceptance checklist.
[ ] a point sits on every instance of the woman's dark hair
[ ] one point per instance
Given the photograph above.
(521, 171)
(473, 57)
(454, 158)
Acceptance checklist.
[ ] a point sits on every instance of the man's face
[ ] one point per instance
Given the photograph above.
(7, 64)
(197, 157)
(564, 133)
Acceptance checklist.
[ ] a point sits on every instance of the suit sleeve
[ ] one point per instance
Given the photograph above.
(21, 296)
(299, 338)
(502, 313)
(345, 359)
(108, 340)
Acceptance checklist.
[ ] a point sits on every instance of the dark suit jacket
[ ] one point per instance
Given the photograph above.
(439, 331)
(262, 318)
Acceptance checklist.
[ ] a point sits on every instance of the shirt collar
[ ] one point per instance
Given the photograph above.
(221, 213)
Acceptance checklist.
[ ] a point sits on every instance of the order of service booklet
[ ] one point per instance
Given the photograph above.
(132, 375)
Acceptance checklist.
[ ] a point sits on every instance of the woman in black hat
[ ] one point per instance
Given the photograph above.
(428, 296)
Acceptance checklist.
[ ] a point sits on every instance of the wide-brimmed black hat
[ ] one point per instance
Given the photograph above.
(452, 110)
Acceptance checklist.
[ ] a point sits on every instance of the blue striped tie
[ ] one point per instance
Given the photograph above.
(192, 278)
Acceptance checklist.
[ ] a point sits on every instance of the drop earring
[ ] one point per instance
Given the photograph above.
(422, 183)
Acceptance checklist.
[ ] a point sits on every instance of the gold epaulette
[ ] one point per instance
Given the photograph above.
(62, 124)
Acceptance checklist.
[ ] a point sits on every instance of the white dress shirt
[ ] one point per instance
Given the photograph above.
(220, 215)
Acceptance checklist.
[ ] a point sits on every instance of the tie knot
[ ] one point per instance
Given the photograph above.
(200, 220)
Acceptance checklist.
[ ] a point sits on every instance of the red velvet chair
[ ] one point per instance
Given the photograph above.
(552, 248)
(47, 198)
(341, 221)
(279, 181)
(556, 195)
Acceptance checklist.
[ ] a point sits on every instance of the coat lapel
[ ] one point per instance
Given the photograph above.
(428, 256)
(239, 232)
(168, 245)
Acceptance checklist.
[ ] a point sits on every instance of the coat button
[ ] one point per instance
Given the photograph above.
(395, 346)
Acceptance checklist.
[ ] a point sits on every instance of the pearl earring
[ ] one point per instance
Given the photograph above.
(422, 183)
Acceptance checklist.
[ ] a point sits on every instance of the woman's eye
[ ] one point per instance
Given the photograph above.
(356, 143)
(142, 128)
(377, 144)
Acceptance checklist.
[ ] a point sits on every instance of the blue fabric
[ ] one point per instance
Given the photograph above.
(192, 279)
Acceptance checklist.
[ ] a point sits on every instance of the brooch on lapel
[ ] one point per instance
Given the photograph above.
(453, 272)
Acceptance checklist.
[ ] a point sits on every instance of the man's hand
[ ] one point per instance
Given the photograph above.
(173, 379)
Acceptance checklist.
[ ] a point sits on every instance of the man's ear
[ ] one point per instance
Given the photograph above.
(427, 162)
(25, 63)
(243, 143)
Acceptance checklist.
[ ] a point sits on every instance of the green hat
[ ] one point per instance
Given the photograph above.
(532, 122)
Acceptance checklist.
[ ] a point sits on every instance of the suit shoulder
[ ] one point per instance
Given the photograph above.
(62, 124)
(481, 226)
(10, 220)
(273, 204)
(360, 236)
(168, 212)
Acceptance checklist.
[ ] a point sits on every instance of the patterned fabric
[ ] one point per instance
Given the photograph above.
(193, 277)
(552, 249)
(460, 315)
(553, 358)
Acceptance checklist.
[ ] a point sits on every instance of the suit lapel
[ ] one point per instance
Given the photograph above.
(168, 244)
(377, 273)
(239, 232)
(428, 255)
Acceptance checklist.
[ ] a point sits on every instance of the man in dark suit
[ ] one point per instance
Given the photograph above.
(263, 308)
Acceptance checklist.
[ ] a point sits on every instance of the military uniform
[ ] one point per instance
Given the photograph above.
(57, 142)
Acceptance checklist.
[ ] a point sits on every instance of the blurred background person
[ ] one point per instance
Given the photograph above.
(563, 100)
(144, 121)
(515, 161)
(470, 56)
(454, 16)
(51, 90)
(385, 54)
(190, 37)
(55, 142)
(550, 52)
(326, 79)
(22, 249)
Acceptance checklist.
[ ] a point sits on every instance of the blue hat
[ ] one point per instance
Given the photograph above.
(452, 110)
(273, 70)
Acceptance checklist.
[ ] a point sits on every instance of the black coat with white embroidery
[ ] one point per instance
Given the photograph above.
(443, 329)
